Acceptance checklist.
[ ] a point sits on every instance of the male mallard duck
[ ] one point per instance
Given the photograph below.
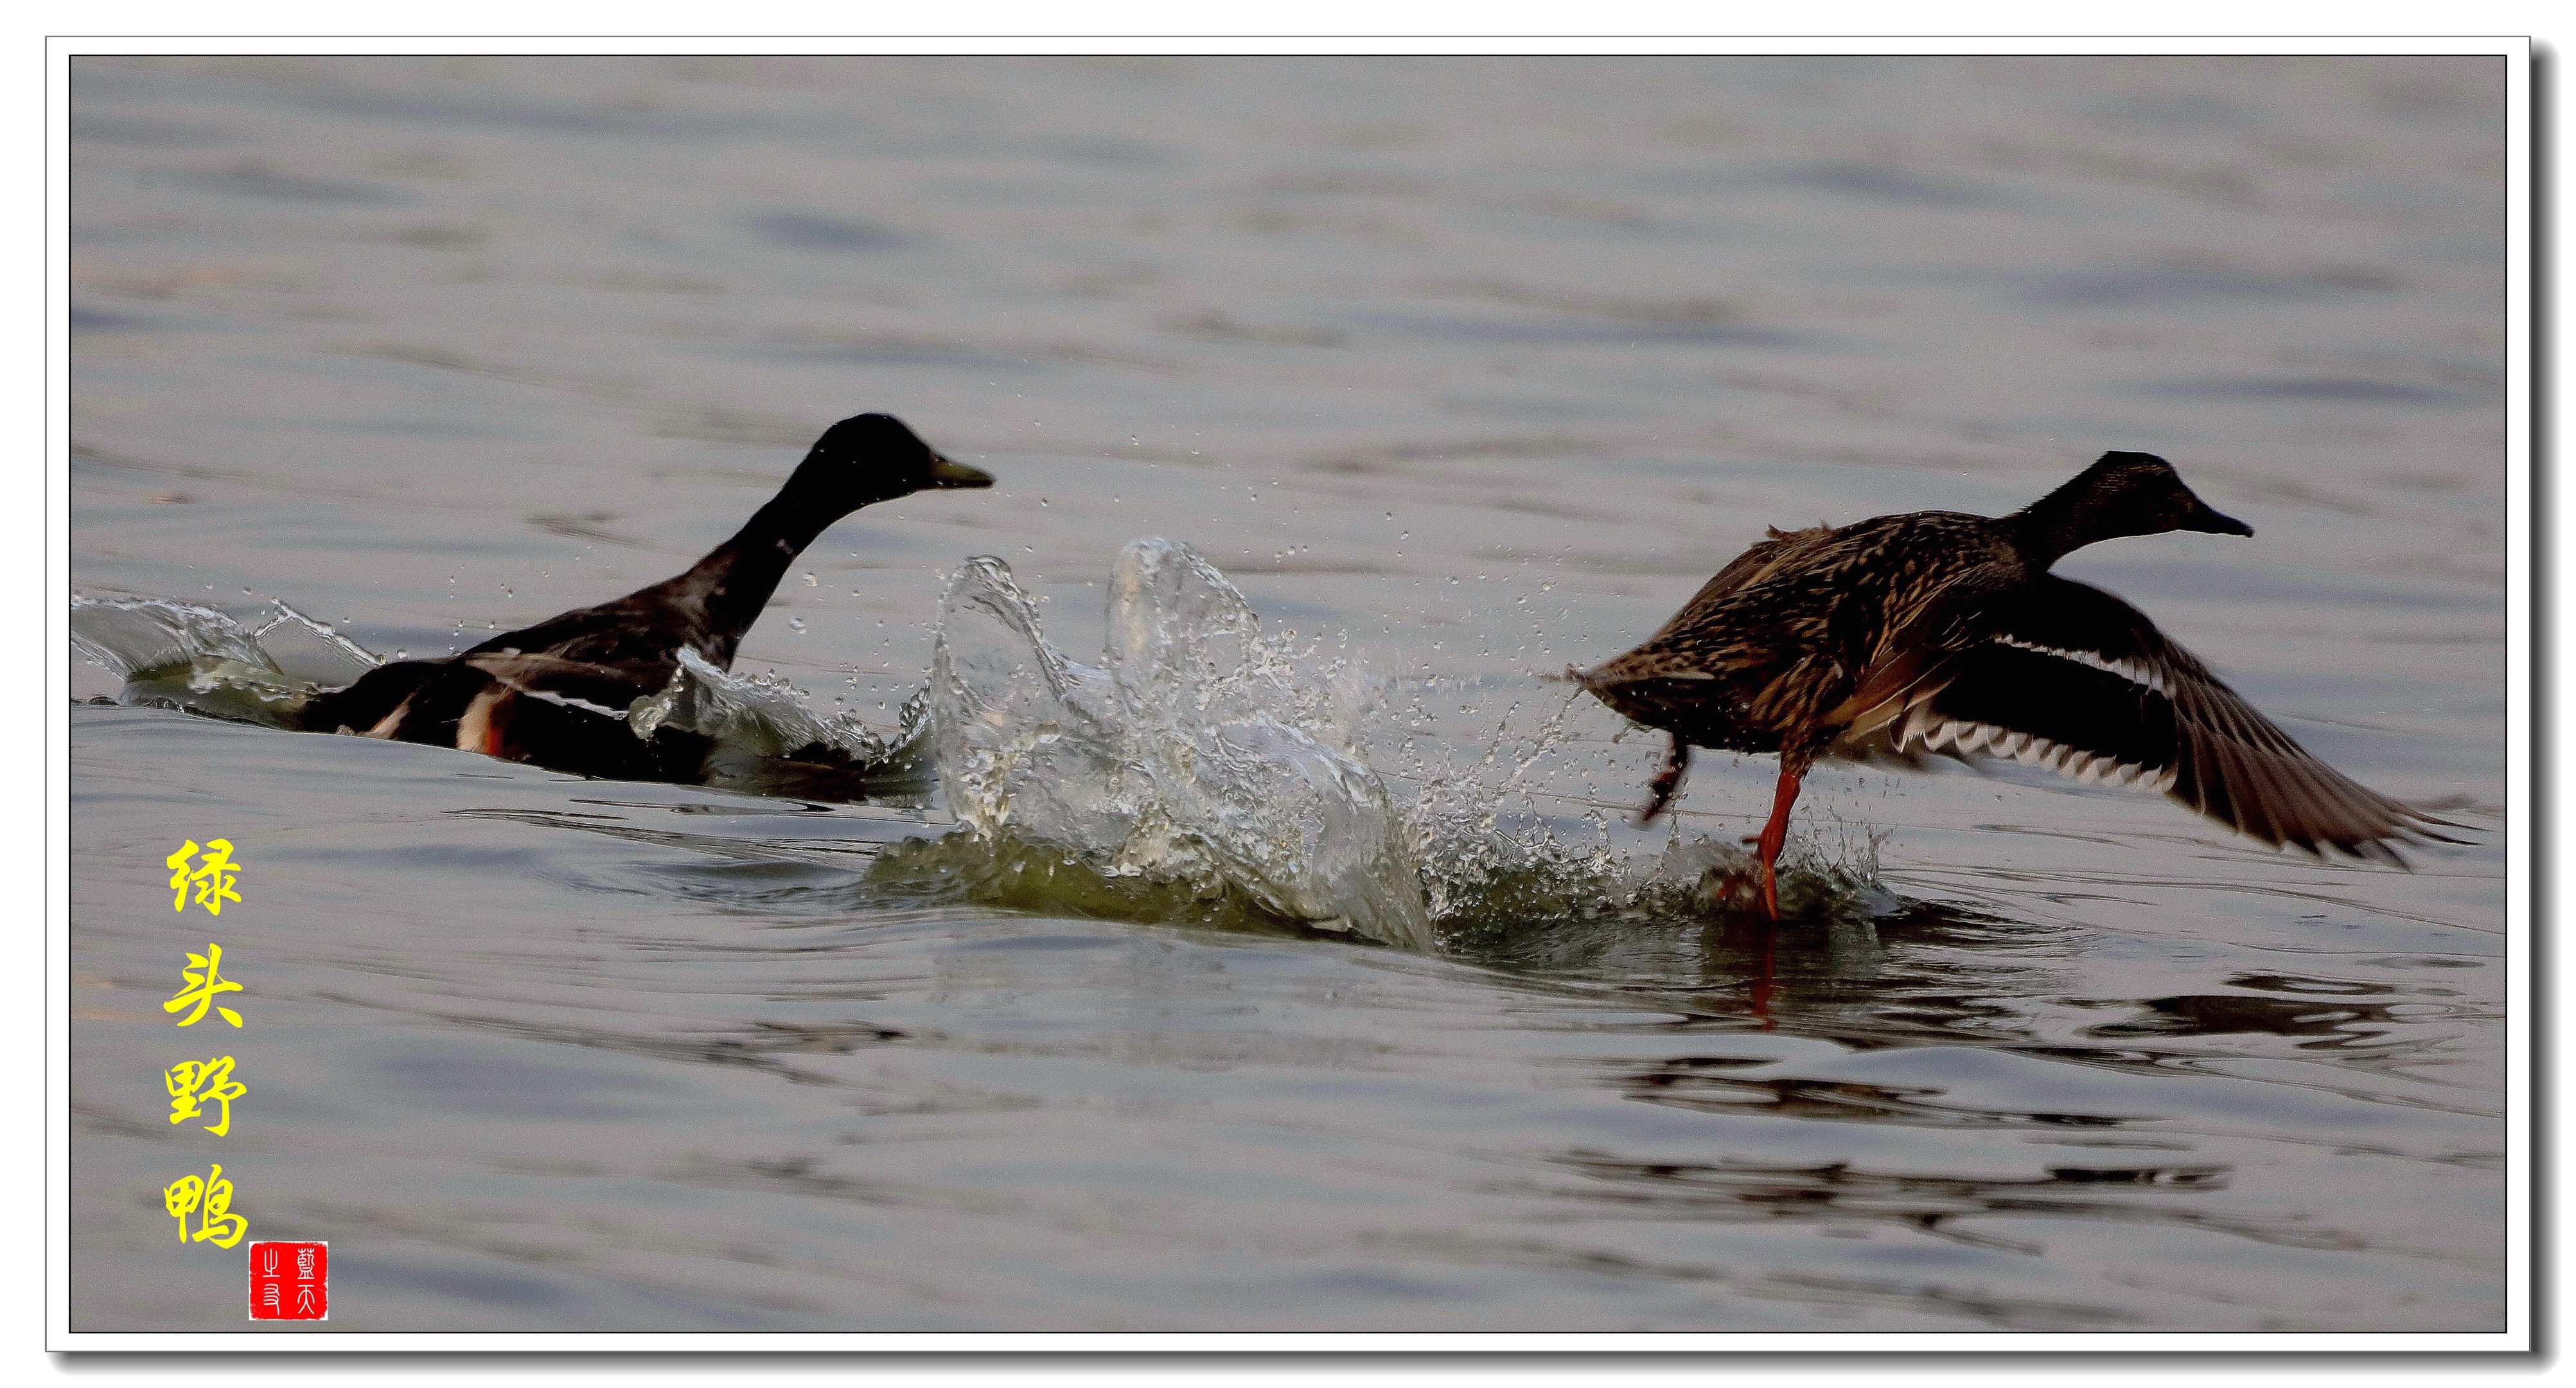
(537, 694)
(1946, 631)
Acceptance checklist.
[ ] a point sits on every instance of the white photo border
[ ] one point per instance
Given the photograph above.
(2518, 1335)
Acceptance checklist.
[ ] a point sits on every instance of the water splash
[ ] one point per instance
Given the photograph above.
(1205, 761)
(172, 654)
(1200, 753)
(1514, 837)
(769, 740)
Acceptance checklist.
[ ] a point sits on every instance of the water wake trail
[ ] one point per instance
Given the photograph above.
(172, 654)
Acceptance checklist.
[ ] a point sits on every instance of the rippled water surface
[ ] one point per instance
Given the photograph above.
(1459, 371)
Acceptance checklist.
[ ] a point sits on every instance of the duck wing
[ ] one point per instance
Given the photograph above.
(640, 628)
(2074, 679)
(592, 686)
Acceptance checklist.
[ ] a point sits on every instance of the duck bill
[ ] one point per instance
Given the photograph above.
(2210, 522)
(948, 472)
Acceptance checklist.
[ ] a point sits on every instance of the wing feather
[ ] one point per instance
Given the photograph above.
(2076, 680)
(589, 685)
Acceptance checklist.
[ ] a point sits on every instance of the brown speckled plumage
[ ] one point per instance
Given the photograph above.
(1946, 632)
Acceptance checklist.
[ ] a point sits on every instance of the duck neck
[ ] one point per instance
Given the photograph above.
(736, 579)
(2059, 524)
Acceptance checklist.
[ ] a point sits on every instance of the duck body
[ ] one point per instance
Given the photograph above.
(1767, 655)
(557, 693)
(1946, 632)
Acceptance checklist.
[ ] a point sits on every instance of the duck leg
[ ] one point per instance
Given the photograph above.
(1775, 834)
(1667, 782)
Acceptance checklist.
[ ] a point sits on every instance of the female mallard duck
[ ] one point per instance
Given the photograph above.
(1946, 631)
(538, 694)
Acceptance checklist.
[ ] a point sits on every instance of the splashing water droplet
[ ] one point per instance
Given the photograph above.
(1193, 755)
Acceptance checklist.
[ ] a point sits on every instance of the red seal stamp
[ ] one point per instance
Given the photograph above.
(290, 1281)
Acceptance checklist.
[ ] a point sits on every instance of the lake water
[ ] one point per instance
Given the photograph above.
(1465, 370)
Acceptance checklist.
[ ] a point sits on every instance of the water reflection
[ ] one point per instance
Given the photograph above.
(1688, 1083)
(1922, 970)
(1838, 1193)
(2220, 1013)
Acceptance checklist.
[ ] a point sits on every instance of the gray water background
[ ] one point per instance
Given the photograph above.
(1482, 364)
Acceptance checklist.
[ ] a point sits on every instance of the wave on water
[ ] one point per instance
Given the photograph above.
(178, 655)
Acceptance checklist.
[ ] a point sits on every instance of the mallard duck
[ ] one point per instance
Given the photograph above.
(1946, 632)
(557, 693)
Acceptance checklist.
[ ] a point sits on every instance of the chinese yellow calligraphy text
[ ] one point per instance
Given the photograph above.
(194, 1084)
(202, 988)
(214, 1196)
(213, 877)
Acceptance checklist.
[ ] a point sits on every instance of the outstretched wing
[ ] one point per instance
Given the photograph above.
(2080, 682)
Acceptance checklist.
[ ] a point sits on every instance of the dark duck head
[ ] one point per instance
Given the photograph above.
(870, 458)
(2123, 494)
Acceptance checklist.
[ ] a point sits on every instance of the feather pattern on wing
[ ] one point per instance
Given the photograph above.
(2078, 681)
